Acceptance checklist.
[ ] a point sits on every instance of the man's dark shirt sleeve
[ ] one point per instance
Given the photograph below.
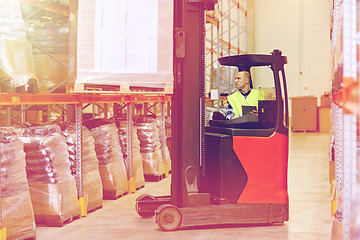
(229, 111)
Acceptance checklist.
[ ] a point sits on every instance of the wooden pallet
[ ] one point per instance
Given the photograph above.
(111, 195)
(304, 131)
(95, 209)
(138, 188)
(153, 178)
(53, 220)
(96, 88)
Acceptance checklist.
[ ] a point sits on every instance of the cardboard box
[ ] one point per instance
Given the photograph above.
(114, 180)
(92, 187)
(33, 116)
(325, 101)
(304, 114)
(18, 216)
(58, 199)
(324, 118)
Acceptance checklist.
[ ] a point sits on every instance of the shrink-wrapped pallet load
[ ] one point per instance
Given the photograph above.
(165, 151)
(92, 186)
(136, 160)
(109, 153)
(16, 58)
(17, 211)
(128, 44)
(52, 187)
(51, 37)
(150, 150)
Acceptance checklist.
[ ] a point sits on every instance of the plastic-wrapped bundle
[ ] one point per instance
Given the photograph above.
(53, 38)
(111, 161)
(167, 158)
(12, 25)
(16, 59)
(92, 186)
(52, 187)
(209, 112)
(18, 214)
(148, 135)
(136, 160)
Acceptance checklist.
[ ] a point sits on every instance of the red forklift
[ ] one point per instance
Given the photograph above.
(233, 171)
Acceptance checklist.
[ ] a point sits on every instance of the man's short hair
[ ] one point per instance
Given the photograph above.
(245, 74)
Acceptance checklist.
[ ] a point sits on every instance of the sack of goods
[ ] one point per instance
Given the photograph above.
(52, 187)
(111, 162)
(150, 150)
(92, 186)
(165, 151)
(136, 170)
(17, 215)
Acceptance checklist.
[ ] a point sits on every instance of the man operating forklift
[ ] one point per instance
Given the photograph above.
(246, 96)
(228, 183)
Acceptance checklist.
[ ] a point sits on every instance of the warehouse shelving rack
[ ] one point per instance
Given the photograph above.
(81, 101)
(230, 39)
(346, 112)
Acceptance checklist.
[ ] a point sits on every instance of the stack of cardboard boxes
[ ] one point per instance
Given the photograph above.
(324, 113)
(308, 117)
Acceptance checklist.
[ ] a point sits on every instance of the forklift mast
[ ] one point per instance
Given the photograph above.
(188, 103)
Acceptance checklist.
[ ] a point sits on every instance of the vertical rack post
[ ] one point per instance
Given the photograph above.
(238, 27)
(229, 43)
(78, 157)
(22, 115)
(106, 112)
(2, 229)
(9, 113)
(218, 65)
(221, 24)
(48, 112)
(0, 187)
(211, 59)
(349, 152)
(163, 137)
(245, 27)
(128, 163)
(349, 75)
(338, 129)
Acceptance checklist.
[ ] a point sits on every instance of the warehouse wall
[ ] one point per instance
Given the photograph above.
(301, 29)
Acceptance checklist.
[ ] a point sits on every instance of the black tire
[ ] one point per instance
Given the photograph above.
(140, 207)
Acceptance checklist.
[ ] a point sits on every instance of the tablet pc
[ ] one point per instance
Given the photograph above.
(246, 109)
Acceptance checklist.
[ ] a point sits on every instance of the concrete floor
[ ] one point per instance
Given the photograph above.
(309, 207)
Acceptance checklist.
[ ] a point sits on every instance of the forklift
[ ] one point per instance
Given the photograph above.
(233, 171)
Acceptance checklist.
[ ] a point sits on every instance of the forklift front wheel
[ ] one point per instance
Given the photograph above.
(168, 217)
(143, 205)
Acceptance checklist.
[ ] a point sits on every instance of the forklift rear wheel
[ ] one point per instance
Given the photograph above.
(168, 217)
(140, 208)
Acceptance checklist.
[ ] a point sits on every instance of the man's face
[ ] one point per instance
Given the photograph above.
(240, 80)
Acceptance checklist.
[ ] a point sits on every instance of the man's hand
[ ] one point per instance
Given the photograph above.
(254, 112)
(234, 117)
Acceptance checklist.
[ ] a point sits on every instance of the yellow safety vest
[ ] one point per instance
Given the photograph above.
(236, 100)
